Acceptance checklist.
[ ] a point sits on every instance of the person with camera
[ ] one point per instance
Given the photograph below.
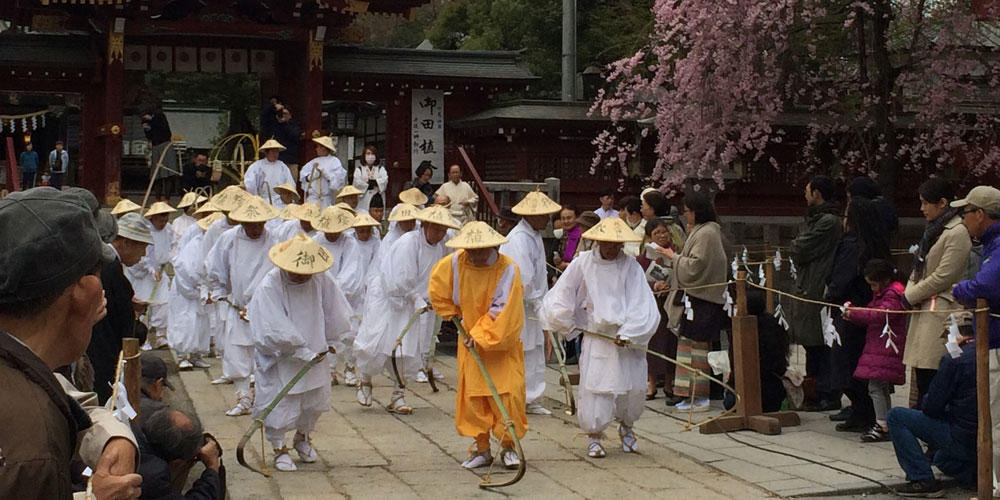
(170, 444)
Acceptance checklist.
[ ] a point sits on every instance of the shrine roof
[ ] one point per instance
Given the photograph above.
(476, 65)
(531, 110)
(51, 51)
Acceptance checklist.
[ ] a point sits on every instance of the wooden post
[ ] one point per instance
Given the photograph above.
(133, 372)
(769, 277)
(984, 443)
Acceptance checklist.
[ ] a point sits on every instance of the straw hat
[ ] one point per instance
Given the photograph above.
(345, 206)
(272, 144)
(536, 203)
(326, 142)
(229, 198)
(188, 199)
(476, 234)
(333, 220)
(307, 211)
(300, 255)
(253, 209)
(288, 213)
(348, 190)
(436, 214)
(612, 229)
(159, 208)
(287, 187)
(208, 220)
(207, 208)
(125, 206)
(403, 212)
(413, 196)
(365, 220)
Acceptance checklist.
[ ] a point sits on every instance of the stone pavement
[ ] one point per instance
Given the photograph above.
(370, 453)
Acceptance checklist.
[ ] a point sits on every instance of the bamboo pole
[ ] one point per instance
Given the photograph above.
(133, 372)
(985, 432)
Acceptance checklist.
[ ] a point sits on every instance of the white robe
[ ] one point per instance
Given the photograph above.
(399, 290)
(263, 176)
(142, 276)
(188, 331)
(192, 231)
(236, 264)
(332, 177)
(288, 229)
(364, 173)
(369, 253)
(217, 315)
(348, 270)
(610, 297)
(389, 240)
(180, 226)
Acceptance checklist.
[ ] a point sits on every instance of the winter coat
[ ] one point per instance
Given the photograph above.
(945, 265)
(879, 362)
(986, 284)
(812, 253)
(952, 397)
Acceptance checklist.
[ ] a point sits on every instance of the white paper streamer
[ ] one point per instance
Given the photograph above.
(777, 260)
(951, 345)
(791, 269)
(889, 335)
(762, 276)
(736, 266)
(779, 314)
(914, 249)
(728, 306)
(745, 255)
(830, 334)
(688, 311)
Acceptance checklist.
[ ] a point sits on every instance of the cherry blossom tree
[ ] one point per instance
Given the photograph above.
(866, 86)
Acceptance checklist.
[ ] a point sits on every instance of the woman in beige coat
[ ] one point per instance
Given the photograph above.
(940, 263)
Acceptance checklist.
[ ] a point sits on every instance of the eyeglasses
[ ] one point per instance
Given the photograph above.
(966, 212)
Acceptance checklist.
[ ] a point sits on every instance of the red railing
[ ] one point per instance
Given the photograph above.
(487, 210)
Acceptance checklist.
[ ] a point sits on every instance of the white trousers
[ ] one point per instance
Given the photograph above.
(298, 412)
(237, 362)
(596, 411)
(534, 373)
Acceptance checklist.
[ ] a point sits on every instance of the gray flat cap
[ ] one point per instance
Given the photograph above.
(50, 240)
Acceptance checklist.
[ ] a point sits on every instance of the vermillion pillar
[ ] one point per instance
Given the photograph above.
(312, 111)
(103, 125)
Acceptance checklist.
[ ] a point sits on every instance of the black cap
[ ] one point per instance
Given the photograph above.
(153, 368)
(49, 240)
(508, 215)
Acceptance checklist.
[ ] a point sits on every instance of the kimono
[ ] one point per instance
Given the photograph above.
(262, 177)
(188, 332)
(142, 276)
(321, 178)
(349, 274)
(362, 175)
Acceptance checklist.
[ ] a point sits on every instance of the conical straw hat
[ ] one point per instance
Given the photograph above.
(253, 209)
(326, 142)
(287, 187)
(365, 220)
(300, 255)
(345, 206)
(333, 220)
(413, 196)
(272, 144)
(288, 213)
(348, 190)
(125, 206)
(476, 234)
(188, 199)
(612, 229)
(536, 203)
(208, 220)
(436, 214)
(207, 208)
(403, 212)
(229, 198)
(159, 208)
(307, 211)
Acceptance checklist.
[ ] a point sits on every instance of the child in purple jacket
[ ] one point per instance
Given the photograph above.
(881, 362)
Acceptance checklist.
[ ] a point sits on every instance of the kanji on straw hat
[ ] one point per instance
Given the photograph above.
(403, 212)
(229, 198)
(307, 211)
(208, 220)
(159, 208)
(536, 203)
(207, 208)
(365, 220)
(476, 234)
(272, 144)
(189, 198)
(348, 190)
(288, 213)
(413, 196)
(125, 206)
(253, 209)
(300, 255)
(612, 229)
(333, 220)
(436, 214)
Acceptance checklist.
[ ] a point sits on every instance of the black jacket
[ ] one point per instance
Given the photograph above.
(155, 472)
(952, 397)
(288, 134)
(159, 129)
(107, 334)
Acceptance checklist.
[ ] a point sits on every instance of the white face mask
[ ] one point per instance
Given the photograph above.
(558, 233)
(370, 159)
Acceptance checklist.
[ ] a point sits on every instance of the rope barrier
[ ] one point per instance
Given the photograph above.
(858, 308)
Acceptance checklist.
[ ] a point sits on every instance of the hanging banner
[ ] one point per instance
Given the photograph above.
(427, 132)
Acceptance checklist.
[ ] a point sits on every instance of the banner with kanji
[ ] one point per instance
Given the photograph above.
(427, 132)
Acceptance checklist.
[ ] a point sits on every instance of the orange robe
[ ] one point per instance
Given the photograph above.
(490, 302)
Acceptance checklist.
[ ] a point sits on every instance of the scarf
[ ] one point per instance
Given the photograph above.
(932, 232)
(572, 240)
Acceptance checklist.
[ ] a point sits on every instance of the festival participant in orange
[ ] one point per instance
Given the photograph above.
(483, 287)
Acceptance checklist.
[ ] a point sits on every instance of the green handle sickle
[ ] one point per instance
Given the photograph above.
(503, 411)
(564, 378)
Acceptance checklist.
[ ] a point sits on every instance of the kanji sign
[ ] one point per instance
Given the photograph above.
(427, 137)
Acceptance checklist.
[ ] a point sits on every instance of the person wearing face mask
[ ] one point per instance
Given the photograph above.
(370, 178)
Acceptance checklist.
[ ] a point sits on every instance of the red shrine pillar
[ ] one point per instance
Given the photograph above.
(102, 125)
(312, 110)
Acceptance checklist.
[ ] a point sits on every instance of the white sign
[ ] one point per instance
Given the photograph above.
(427, 137)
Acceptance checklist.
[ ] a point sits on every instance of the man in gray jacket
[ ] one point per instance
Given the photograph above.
(812, 254)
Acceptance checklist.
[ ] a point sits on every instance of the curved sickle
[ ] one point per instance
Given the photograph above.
(561, 356)
(503, 411)
(399, 342)
(259, 421)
